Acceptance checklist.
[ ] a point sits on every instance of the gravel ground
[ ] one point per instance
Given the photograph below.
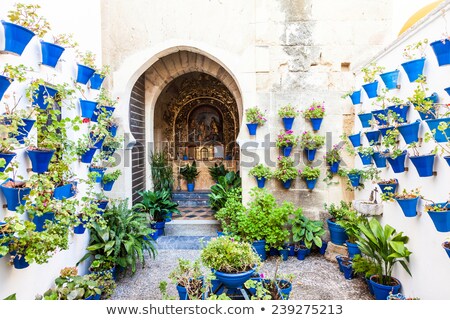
(315, 278)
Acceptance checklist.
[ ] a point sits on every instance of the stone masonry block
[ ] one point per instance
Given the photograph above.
(333, 250)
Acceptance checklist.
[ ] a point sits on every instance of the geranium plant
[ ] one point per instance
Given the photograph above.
(371, 71)
(261, 171)
(285, 169)
(333, 155)
(287, 139)
(315, 111)
(309, 173)
(311, 141)
(255, 115)
(288, 111)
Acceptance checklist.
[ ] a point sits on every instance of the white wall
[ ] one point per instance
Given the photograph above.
(83, 19)
(429, 262)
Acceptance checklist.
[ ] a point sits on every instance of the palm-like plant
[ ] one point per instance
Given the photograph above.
(189, 172)
(220, 191)
(385, 247)
(157, 204)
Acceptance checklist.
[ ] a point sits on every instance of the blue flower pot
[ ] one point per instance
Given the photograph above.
(334, 167)
(373, 137)
(354, 179)
(182, 292)
(14, 196)
(371, 89)
(8, 157)
(447, 158)
(323, 248)
(423, 164)
(337, 233)
(108, 185)
(311, 154)
(316, 123)
(347, 268)
(287, 184)
(431, 114)
(87, 108)
(108, 110)
(19, 262)
(355, 139)
(88, 155)
(441, 220)
(190, 187)
(339, 261)
(40, 159)
(442, 51)
(414, 68)
(16, 37)
(24, 130)
(447, 90)
(84, 73)
(168, 217)
(63, 192)
(401, 111)
(379, 159)
(159, 227)
(311, 183)
(252, 128)
(260, 248)
(408, 206)
(96, 81)
(108, 151)
(284, 253)
(398, 164)
(80, 228)
(381, 292)
(365, 119)
(274, 252)
(356, 97)
(302, 253)
(446, 249)
(285, 293)
(385, 131)
(113, 130)
(100, 172)
(439, 135)
(410, 132)
(353, 249)
(377, 113)
(388, 187)
(101, 205)
(185, 157)
(5, 82)
(390, 79)
(291, 249)
(39, 221)
(39, 97)
(51, 53)
(261, 182)
(286, 150)
(288, 122)
(233, 280)
(93, 297)
(369, 285)
(365, 159)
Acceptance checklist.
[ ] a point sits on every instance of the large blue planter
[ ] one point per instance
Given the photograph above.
(8, 157)
(423, 164)
(408, 206)
(96, 81)
(311, 183)
(40, 159)
(379, 159)
(316, 123)
(5, 82)
(16, 37)
(373, 137)
(261, 182)
(40, 97)
(39, 221)
(401, 111)
(287, 184)
(410, 132)
(441, 219)
(365, 119)
(365, 159)
(88, 155)
(100, 172)
(390, 79)
(337, 233)
(353, 249)
(398, 164)
(311, 154)
(233, 280)
(334, 167)
(302, 253)
(14, 196)
(190, 187)
(51, 53)
(384, 131)
(159, 227)
(371, 89)
(284, 253)
(252, 128)
(431, 114)
(439, 135)
(388, 187)
(355, 139)
(63, 192)
(87, 108)
(286, 150)
(84, 73)
(19, 262)
(355, 179)
(288, 122)
(380, 291)
(108, 185)
(356, 97)
(377, 113)
(22, 131)
(441, 49)
(260, 248)
(414, 68)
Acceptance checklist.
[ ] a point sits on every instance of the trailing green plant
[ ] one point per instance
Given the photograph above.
(255, 115)
(390, 141)
(18, 72)
(189, 172)
(288, 111)
(65, 40)
(26, 15)
(157, 205)
(217, 171)
(334, 155)
(105, 282)
(310, 141)
(188, 274)
(261, 171)
(285, 169)
(420, 99)
(307, 231)
(415, 50)
(287, 139)
(365, 151)
(220, 191)
(309, 173)
(111, 176)
(371, 71)
(104, 99)
(162, 171)
(261, 292)
(314, 111)
(369, 173)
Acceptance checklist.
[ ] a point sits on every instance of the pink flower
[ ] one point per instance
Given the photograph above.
(261, 275)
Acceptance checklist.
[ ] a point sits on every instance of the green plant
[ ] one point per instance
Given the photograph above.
(365, 174)
(365, 151)
(351, 223)
(27, 16)
(385, 247)
(285, 169)
(255, 115)
(364, 266)
(104, 70)
(309, 173)
(286, 139)
(412, 194)
(314, 111)
(340, 211)
(217, 171)
(87, 58)
(306, 230)
(229, 214)
(189, 172)
(188, 274)
(225, 254)
(220, 191)
(111, 176)
(18, 72)
(156, 205)
(65, 40)
(415, 50)
(333, 155)
(162, 171)
(371, 71)
(288, 111)
(390, 141)
(105, 282)
(310, 141)
(420, 100)
(260, 289)
(104, 99)
(261, 171)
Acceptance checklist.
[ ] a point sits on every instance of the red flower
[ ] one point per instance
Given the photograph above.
(86, 120)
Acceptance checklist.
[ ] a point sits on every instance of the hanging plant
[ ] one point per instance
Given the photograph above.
(315, 113)
(415, 54)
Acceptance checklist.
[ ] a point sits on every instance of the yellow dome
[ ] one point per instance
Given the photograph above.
(419, 15)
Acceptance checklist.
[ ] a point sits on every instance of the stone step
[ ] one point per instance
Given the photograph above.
(191, 199)
(192, 203)
(182, 242)
(192, 228)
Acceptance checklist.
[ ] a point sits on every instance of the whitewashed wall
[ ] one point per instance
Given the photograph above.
(429, 262)
(84, 22)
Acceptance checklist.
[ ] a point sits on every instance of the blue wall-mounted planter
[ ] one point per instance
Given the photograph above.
(356, 97)
(84, 73)
(40, 159)
(410, 132)
(388, 187)
(355, 139)
(390, 79)
(441, 49)
(87, 108)
(40, 97)
(371, 89)
(311, 183)
(51, 53)
(5, 82)
(376, 114)
(398, 164)
(408, 206)
(373, 137)
(414, 68)
(14, 196)
(441, 219)
(385, 131)
(287, 184)
(286, 151)
(96, 81)
(365, 159)
(252, 128)
(316, 123)
(288, 122)
(16, 37)
(401, 111)
(379, 159)
(261, 182)
(423, 164)
(355, 179)
(440, 136)
(23, 130)
(365, 119)
(334, 167)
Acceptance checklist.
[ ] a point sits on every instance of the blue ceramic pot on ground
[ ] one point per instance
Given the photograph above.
(408, 206)
(302, 253)
(347, 268)
(356, 97)
(260, 248)
(380, 291)
(398, 164)
(182, 292)
(311, 183)
(159, 227)
(414, 68)
(390, 79)
(355, 179)
(284, 288)
(96, 81)
(84, 73)
(423, 164)
(288, 122)
(365, 159)
(388, 187)
(334, 167)
(410, 132)
(401, 111)
(190, 187)
(337, 233)
(16, 37)
(40, 159)
(23, 130)
(284, 253)
(440, 136)
(376, 115)
(323, 248)
(373, 137)
(5, 82)
(261, 182)
(286, 150)
(316, 123)
(88, 155)
(355, 139)
(51, 53)
(442, 51)
(87, 108)
(233, 280)
(365, 119)
(287, 184)
(441, 219)
(7, 157)
(371, 89)
(311, 154)
(352, 249)
(42, 94)
(39, 221)
(379, 159)
(274, 252)
(252, 128)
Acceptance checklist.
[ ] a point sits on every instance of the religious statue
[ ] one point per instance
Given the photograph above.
(214, 130)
